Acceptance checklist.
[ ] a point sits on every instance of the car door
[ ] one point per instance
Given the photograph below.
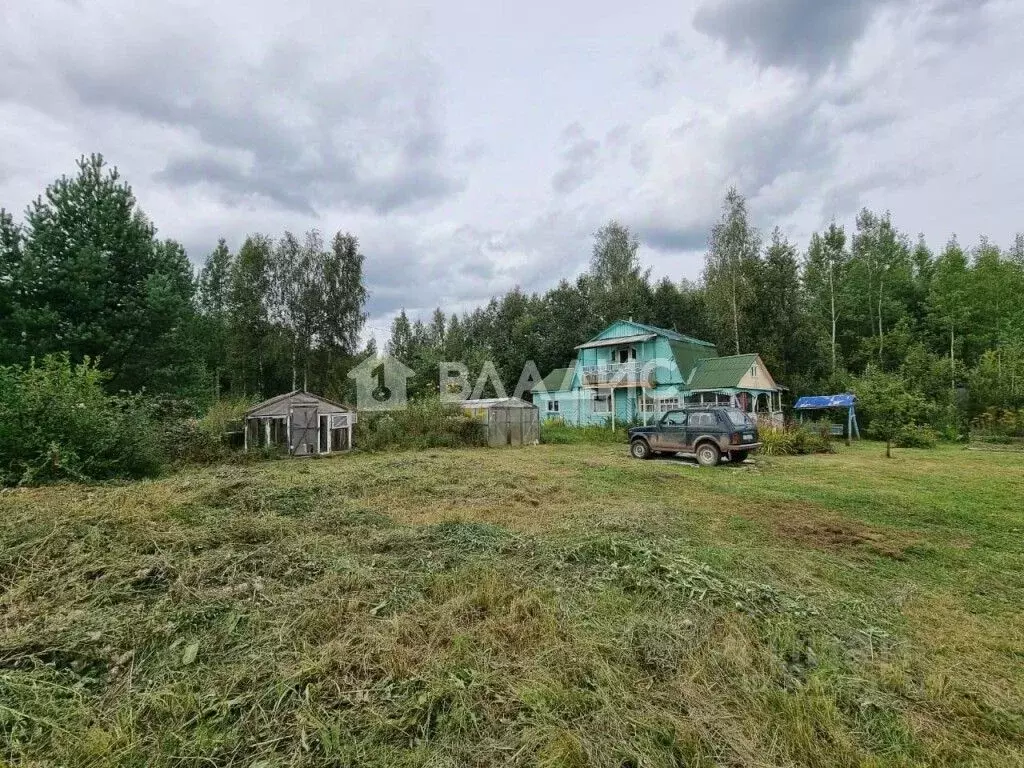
(672, 435)
(700, 423)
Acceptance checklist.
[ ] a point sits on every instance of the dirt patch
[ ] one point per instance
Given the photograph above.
(839, 535)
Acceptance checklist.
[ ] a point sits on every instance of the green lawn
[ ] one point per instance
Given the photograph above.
(560, 605)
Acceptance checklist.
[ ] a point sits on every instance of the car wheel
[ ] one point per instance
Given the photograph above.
(640, 449)
(708, 455)
(738, 457)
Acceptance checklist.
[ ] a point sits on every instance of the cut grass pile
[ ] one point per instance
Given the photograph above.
(553, 606)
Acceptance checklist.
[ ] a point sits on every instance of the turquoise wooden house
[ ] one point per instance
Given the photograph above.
(633, 373)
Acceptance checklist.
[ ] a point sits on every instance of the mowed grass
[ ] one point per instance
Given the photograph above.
(560, 605)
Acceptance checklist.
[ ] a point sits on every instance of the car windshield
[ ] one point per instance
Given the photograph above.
(737, 417)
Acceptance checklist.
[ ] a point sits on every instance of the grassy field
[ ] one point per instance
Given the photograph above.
(560, 605)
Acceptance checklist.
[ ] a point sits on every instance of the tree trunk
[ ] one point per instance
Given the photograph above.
(881, 283)
(260, 363)
(952, 360)
(888, 449)
(832, 296)
(295, 372)
(735, 315)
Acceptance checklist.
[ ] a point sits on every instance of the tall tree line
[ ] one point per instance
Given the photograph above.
(85, 273)
(869, 298)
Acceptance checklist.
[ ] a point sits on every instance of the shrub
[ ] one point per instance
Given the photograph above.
(914, 436)
(794, 440)
(998, 425)
(425, 423)
(56, 421)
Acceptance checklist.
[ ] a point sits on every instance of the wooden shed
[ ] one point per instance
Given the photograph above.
(300, 422)
(509, 420)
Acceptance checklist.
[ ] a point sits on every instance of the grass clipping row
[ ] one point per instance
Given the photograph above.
(249, 626)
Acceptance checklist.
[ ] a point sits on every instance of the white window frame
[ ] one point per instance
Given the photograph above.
(553, 406)
(600, 398)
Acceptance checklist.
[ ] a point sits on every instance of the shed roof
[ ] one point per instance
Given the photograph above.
(720, 372)
(496, 402)
(821, 402)
(554, 381)
(279, 405)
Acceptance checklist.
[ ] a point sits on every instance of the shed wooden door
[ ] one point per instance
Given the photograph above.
(304, 428)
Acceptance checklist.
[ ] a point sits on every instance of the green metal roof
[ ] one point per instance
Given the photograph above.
(688, 355)
(553, 381)
(720, 372)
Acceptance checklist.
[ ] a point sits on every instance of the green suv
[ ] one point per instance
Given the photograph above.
(707, 432)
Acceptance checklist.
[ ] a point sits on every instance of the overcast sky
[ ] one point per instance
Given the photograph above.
(473, 147)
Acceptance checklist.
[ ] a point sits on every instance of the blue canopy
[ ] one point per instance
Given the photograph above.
(821, 402)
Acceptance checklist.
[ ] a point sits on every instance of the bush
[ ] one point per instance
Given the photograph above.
(209, 439)
(794, 440)
(914, 436)
(56, 421)
(425, 423)
(557, 432)
(998, 425)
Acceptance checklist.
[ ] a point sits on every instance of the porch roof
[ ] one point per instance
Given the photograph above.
(618, 341)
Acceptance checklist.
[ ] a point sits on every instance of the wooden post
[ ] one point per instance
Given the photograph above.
(350, 433)
(330, 432)
(613, 408)
(266, 432)
(245, 435)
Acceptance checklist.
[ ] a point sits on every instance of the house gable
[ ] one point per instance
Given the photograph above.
(758, 377)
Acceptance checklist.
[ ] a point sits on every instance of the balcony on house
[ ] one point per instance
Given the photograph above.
(628, 374)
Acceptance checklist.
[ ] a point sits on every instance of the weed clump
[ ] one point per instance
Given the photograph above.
(425, 423)
(794, 440)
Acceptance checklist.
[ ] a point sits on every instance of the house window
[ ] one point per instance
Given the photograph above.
(648, 405)
(624, 355)
(552, 406)
(753, 370)
(668, 404)
(602, 403)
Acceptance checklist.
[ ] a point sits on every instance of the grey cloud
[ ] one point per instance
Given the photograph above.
(813, 35)
(809, 35)
(304, 128)
(580, 161)
(662, 238)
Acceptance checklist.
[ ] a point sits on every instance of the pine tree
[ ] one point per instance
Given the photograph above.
(11, 340)
(95, 282)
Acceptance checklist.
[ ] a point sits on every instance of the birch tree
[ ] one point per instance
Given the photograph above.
(948, 299)
(730, 266)
(824, 278)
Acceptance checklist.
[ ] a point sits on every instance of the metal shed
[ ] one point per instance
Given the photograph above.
(302, 423)
(509, 420)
